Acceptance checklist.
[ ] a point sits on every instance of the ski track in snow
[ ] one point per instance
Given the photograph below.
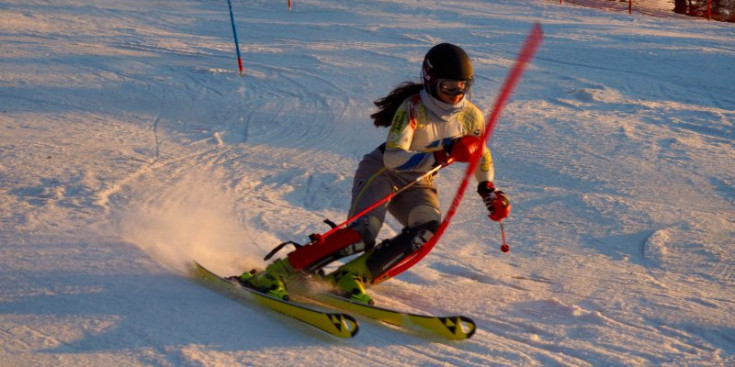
(130, 145)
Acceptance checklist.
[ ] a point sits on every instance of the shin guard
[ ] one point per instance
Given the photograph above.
(323, 250)
(391, 252)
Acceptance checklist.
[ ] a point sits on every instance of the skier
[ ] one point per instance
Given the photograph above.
(430, 123)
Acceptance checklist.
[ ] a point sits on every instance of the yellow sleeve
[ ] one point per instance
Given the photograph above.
(400, 134)
(473, 123)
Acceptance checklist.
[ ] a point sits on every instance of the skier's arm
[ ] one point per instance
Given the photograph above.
(496, 201)
(485, 170)
(473, 123)
(397, 155)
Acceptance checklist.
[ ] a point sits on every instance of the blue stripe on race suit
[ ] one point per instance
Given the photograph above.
(412, 162)
(441, 142)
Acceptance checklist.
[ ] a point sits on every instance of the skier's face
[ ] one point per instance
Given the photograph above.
(452, 91)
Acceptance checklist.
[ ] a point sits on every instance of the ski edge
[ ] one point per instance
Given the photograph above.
(335, 323)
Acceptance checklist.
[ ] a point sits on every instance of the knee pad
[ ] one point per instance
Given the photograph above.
(422, 215)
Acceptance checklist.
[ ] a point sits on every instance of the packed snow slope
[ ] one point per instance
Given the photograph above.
(130, 145)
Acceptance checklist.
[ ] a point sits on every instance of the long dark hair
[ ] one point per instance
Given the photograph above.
(388, 105)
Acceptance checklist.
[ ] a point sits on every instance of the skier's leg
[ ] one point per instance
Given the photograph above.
(416, 206)
(369, 186)
(391, 252)
(418, 210)
(352, 278)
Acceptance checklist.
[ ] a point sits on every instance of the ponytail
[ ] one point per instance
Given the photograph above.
(388, 105)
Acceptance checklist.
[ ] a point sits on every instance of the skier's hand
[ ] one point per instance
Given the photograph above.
(496, 201)
(442, 158)
(460, 150)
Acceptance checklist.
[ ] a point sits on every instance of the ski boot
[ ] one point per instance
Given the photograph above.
(350, 279)
(271, 280)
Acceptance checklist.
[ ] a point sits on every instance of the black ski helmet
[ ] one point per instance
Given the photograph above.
(445, 61)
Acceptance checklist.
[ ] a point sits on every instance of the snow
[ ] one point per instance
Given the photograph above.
(131, 145)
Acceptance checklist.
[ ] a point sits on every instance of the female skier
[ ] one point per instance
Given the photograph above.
(430, 123)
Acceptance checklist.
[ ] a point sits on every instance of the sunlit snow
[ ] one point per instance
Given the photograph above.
(130, 145)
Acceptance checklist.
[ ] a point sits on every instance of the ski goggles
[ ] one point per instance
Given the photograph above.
(454, 87)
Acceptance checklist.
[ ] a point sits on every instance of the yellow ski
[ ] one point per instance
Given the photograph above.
(337, 324)
(448, 327)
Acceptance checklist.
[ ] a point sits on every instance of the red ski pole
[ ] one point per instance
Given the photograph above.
(505, 247)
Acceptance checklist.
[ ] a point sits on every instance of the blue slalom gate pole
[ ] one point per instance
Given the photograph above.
(237, 43)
